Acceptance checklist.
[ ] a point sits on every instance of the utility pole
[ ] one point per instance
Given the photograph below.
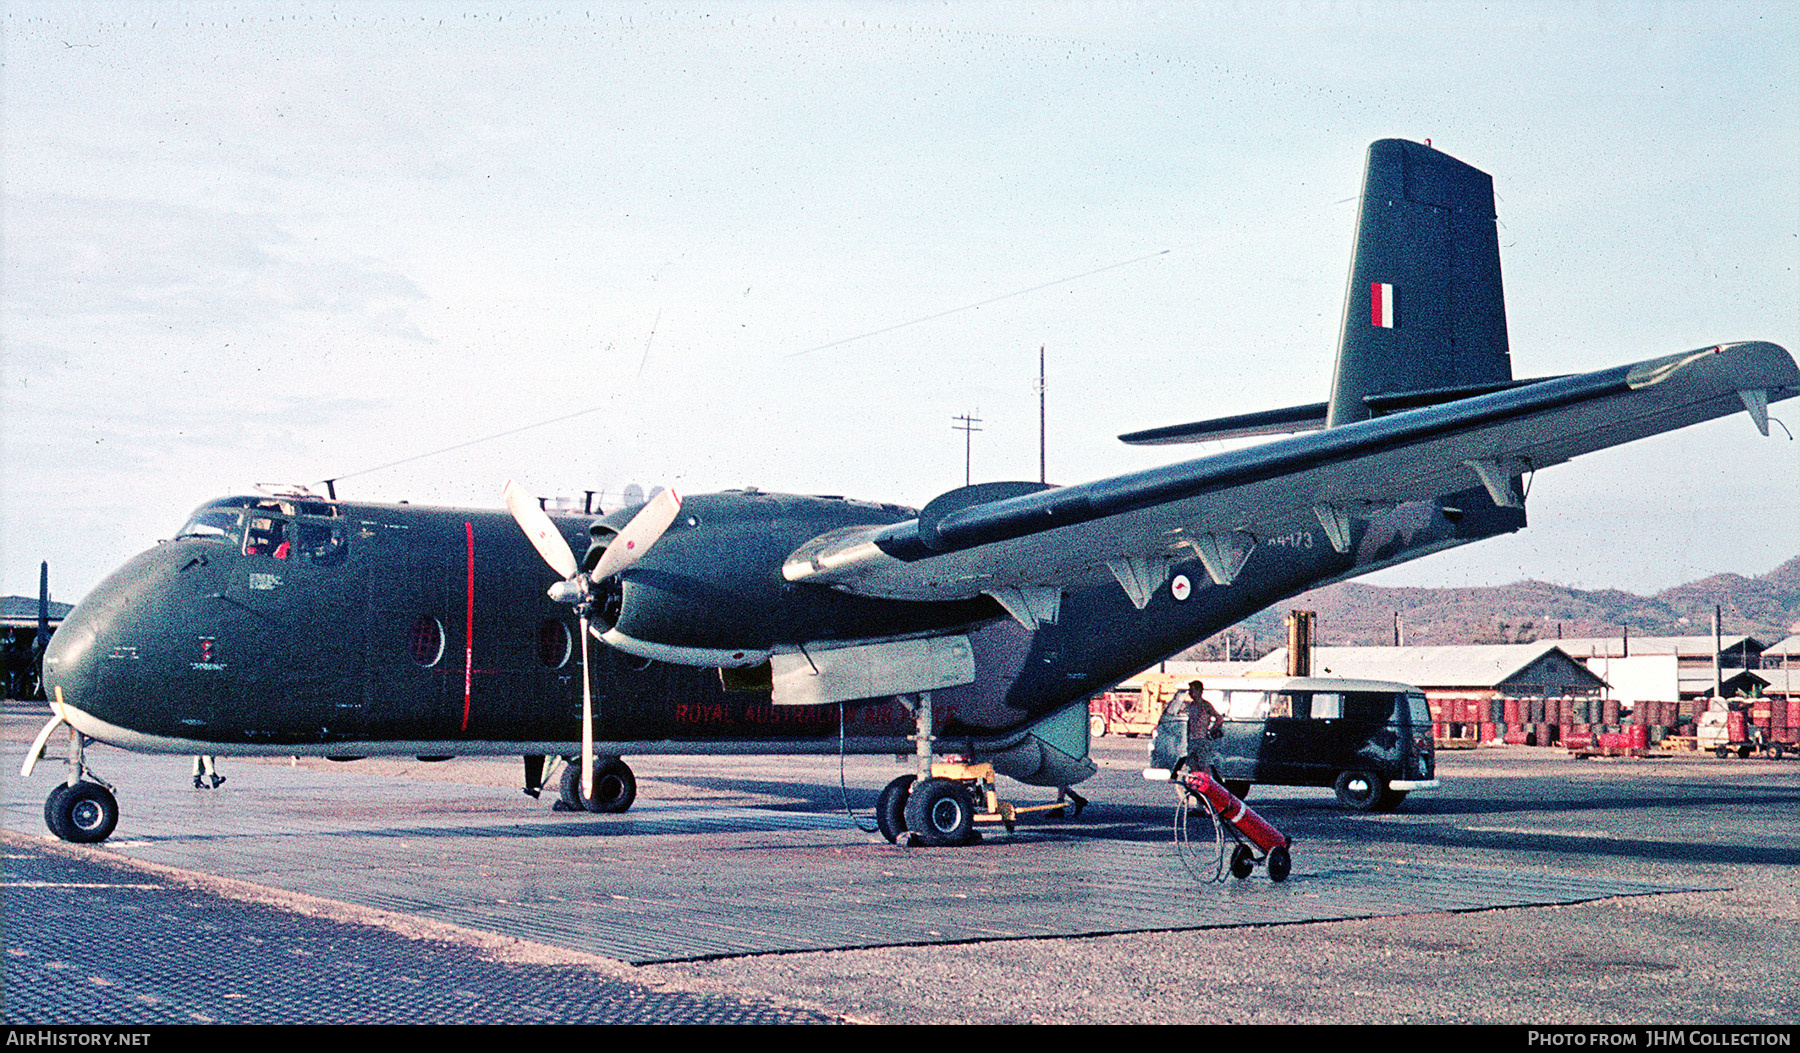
(1043, 475)
(1718, 673)
(967, 427)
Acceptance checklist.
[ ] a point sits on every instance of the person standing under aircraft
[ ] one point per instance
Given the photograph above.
(1206, 725)
(205, 770)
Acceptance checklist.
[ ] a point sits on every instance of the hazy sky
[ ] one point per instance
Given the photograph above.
(287, 242)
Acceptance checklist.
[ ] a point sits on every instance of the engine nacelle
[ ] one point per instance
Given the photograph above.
(710, 592)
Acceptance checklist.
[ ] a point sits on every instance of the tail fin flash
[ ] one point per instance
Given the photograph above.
(1424, 312)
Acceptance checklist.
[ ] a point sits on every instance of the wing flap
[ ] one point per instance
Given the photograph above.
(1071, 534)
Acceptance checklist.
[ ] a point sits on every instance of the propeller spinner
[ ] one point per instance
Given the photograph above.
(577, 588)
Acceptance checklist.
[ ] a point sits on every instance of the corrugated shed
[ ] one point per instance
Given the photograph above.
(1470, 666)
(1686, 646)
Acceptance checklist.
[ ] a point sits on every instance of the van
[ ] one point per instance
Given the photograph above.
(1370, 740)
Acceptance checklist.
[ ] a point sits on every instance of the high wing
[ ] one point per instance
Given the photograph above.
(1024, 549)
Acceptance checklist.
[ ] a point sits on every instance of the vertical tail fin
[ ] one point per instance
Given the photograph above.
(1424, 309)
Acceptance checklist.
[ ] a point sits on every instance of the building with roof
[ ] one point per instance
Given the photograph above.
(21, 612)
(1673, 667)
(18, 643)
(1534, 670)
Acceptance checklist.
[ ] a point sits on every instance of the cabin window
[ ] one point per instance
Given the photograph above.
(1326, 705)
(1247, 705)
(554, 644)
(427, 641)
(1369, 705)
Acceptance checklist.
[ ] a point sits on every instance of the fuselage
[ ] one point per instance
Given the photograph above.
(280, 625)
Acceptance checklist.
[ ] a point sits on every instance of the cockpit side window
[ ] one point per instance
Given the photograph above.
(266, 535)
(324, 544)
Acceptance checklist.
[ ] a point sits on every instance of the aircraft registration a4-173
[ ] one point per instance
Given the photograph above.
(746, 621)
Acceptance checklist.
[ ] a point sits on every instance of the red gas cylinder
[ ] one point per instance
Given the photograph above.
(1254, 827)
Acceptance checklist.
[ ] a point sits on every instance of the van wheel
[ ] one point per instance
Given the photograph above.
(1360, 790)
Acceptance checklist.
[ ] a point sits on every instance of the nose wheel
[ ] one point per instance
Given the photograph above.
(84, 813)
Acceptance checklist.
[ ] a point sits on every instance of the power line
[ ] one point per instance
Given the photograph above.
(984, 303)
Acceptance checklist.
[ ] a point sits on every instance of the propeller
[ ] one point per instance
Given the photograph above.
(577, 588)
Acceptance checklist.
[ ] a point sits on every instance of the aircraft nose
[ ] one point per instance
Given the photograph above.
(69, 658)
(94, 631)
(72, 659)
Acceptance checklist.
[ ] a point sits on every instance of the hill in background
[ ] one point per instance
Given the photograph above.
(1767, 607)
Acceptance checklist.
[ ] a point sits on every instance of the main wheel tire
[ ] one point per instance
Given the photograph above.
(940, 812)
(1279, 863)
(1360, 790)
(890, 808)
(1242, 862)
(615, 787)
(568, 790)
(84, 813)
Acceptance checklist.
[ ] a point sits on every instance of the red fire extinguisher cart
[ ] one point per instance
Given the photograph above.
(1247, 828)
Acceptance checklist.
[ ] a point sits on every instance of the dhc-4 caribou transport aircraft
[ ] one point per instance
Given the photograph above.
(758, 622)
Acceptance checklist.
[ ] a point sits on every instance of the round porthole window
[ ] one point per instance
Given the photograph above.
(427, 642)
(555, 644)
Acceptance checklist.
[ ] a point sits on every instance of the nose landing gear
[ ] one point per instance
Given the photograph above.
(81, 808)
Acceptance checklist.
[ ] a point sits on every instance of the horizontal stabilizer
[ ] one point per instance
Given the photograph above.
(1269, 422)
(1310, 417)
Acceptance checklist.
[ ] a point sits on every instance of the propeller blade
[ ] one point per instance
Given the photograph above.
(587, 719)
(639, 534)
(543, 533)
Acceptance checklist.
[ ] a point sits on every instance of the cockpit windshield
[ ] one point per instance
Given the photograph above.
(216, 519)
(271, 526)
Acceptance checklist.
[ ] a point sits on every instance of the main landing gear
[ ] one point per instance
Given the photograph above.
(942, 809)
(615, 787)
(940, 806)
